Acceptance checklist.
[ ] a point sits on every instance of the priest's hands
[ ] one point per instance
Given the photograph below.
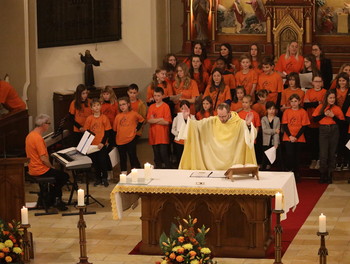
(185, 111)
(249, 118)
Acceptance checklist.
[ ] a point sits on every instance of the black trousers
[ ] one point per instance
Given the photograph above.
(101, 163)
(293, 151)
(161, 155)
(128, 149)
(61, 179)
(179, 149)
(329, 136)
(312, 142)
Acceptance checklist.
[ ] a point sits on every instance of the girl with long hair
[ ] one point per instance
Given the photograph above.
(198, 49)
(291, 61)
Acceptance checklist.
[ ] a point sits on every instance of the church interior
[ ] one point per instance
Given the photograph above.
(45, 68)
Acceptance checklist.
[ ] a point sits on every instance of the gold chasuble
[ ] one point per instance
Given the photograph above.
(213, 145)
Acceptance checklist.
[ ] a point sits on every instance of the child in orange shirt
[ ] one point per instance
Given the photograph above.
(344, 68)
(294, 121)
(99, 124)
(313, 98)
(159, 117)
(137, 105)
(294, 88)
(247, 102)
(217, 90)
(229, 77)
(328, 115)
(198, 73)
(247, 77)
(270, 81)
(126, 124)
(159, 80)
(259, 106)
(206, 108)
(236, 104)
(79, 110)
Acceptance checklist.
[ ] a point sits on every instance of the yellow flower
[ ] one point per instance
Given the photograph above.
(8, 243)
(174, 249)
(8, 259)
(205, 250)
(164, 262)
(195, 261)
(2, 245)
(17, 250)
(188, 246)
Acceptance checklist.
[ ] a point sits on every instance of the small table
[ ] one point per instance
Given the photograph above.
(238, 213)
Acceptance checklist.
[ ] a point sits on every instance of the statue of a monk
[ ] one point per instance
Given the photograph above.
(201, 10)
(89, 72)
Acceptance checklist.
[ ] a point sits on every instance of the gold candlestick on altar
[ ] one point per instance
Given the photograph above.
(82, 236)
(323, 251)
(278, 237)
(26, 244)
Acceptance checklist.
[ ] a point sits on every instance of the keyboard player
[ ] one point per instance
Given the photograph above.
(39, 163)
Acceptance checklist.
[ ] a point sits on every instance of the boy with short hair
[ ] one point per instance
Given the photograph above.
(159, 117)
(260, 105)
(137, 104)
(270, 81)
(247, 77)
(99, 124)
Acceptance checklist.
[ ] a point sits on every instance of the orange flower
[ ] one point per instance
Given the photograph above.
(5, 232)
(2, 255)
(8, 259)
(172, 255)
(194, 221)
(6, 250)
(181, 250)
(192, 253)
(179, 258)
(181, 239)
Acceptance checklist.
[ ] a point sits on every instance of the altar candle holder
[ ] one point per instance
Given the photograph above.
(82, 236)
(26, 243)
(278, 237)
(323, 251)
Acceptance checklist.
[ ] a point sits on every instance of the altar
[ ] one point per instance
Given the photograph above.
(237, 212)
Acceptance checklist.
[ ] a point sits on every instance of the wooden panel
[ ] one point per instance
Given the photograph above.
(240, 225)
(12, 188)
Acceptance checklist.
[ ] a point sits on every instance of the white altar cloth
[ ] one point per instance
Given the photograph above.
(179, 181)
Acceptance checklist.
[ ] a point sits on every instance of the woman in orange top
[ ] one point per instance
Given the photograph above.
(206, 108)
(236, 104)
(217, 90)
(79, 110)
(198, 74)
(126, 124)
(294, 88)
(294, 120)
(324, 65)
(159, 80)
(255, 57)
(185, 87)
(199, 50)
(291, 61)
(328, 115)
(171, 59)
(226, 54)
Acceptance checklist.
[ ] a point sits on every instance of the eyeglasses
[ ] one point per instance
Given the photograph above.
(48, 123)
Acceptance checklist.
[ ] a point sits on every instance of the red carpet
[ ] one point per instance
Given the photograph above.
(309, 192)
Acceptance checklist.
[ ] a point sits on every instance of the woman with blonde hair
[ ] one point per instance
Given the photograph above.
(291, 61)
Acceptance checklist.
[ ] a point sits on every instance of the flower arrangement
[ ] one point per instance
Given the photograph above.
(184, 245)
(10, 242)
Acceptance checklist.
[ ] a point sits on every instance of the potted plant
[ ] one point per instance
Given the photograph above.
(10, 242)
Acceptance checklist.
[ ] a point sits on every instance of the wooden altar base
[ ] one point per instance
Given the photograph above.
(239, 224)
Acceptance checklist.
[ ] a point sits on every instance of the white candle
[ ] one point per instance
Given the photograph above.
(24, 215)
(278, 201)
(81, 197)
(148, 171)
(134, 175)
(122, 178)
(322, 223)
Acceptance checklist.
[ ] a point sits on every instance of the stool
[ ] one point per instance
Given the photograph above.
(44, 193)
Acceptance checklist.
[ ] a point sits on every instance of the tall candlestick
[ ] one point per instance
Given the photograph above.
(322, 223)
(134, 175)
(24, 216)
(148, 171)
(81, 197)
(278, 201)
(122, 178)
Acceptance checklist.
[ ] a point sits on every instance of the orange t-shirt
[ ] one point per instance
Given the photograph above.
(207, 65)
(200, 116)
(333, 84)
(237, 107)
(139, 107)
(97, 125)
(110, 110)
(290, 65)
(256, 120)
(223, 96)
(125, 126)
(341, 96)
(168, 90)
(288, 92)
(80, 115)
(201, 84)
(247, 80)
(229, 79)
(35, 148)
(329, 120)
(295, 119)
(273, 83)
(159, 134)
(260, 109)
(189, 93)
(311, 96)
(10, 98)
(348, 115)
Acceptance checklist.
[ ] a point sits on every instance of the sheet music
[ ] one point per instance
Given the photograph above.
(271, 154)
(85, 142)
(305, 80)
